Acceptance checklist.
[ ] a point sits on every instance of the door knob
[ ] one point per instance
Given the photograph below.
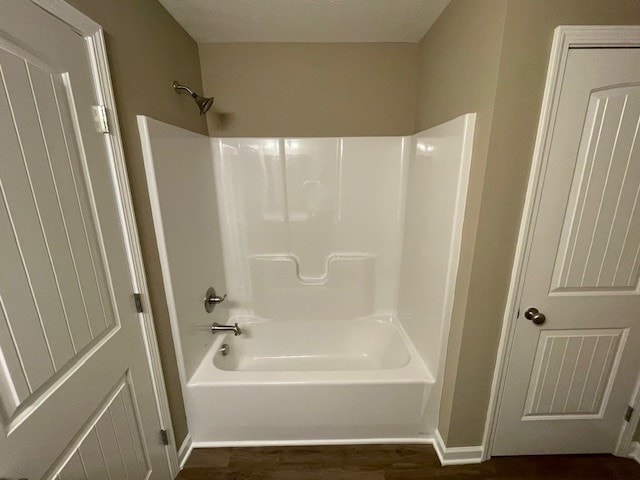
(212, 299)
(535, 316)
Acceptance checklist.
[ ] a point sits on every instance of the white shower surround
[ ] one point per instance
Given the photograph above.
(323, 211)
(333, 240)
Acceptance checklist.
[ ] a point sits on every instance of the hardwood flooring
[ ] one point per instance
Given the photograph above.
(391, 462)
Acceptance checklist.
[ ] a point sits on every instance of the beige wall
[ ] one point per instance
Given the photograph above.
(311, 90)
(147, 50)
(485, 56)
(528, 31)
(459, 61)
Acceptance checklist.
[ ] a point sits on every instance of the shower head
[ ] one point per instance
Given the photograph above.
(204, 103)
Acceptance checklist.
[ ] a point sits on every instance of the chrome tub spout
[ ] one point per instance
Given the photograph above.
(217, 327)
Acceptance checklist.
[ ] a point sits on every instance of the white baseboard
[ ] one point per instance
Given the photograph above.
(635, 451)
(295, 443)
(185, 450)
(447, 455)
(456, 455)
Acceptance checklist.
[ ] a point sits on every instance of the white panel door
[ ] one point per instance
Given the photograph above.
(76, 392)
(570, 378)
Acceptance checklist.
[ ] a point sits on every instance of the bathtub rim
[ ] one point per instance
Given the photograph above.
(414, 372)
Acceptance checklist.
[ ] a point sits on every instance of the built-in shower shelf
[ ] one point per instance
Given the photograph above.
(346, 289)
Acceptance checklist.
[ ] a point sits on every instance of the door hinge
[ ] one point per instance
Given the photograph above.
(102, 119)
(164, 436)
(137, 298)
(628, 413)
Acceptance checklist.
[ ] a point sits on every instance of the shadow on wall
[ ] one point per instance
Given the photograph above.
(221, 121)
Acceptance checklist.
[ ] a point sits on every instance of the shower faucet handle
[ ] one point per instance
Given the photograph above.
(212, 299)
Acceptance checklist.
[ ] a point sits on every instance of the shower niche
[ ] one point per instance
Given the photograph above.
(339, 257)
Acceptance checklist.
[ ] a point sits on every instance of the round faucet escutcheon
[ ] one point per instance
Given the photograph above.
(211, 299)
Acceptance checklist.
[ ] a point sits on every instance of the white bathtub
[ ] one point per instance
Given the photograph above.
(291, 382)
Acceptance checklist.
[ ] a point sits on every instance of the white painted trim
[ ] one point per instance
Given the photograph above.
(184, 452)
(69, 15)
(629, 428)
(635, 451)
(104, 91)
(456, 455)
(447, 456)
(333, 441)
(565, 37)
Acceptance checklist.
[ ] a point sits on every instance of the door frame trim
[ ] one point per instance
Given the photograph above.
(564, 38)
(94, 35)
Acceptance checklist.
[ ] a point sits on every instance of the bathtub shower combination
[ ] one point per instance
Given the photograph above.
(338, 257)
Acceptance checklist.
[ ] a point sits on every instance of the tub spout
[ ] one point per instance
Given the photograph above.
(216, 327)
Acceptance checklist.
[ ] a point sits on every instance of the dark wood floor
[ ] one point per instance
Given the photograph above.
(390, 462)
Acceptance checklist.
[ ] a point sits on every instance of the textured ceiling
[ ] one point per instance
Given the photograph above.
(305, 20)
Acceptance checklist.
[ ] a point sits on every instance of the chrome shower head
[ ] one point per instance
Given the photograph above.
(204, 103)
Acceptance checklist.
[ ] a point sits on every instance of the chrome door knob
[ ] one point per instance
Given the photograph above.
(212, 299)
(535, 316)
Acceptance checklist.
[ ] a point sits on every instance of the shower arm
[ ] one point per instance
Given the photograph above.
(177, 87)
(204, 103)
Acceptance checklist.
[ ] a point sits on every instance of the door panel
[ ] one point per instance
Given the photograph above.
(49, 261)
(110, 444)
(572, 373)
(569, 379)
(54, 272)
(76, 392)
(600, 238)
